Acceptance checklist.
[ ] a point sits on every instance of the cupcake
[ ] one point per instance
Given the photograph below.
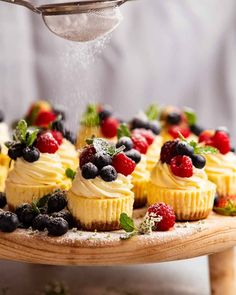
(101, 190)
(221, 169)
(37, 170)
(97, 121)
(179, 179)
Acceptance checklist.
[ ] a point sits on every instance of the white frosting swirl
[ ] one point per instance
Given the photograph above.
(153, 153)
(221, 164)
(140, 171)
(68, 154)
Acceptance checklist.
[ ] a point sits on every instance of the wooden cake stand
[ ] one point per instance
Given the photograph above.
(215, 237)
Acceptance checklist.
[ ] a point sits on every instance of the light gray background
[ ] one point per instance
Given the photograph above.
(180, 52)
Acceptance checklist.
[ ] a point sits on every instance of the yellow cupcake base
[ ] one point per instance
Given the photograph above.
(18, 194)
(188, 205)
(99, 214)
(140, 193)
(225, 184)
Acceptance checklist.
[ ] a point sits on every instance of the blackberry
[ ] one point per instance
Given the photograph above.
(198, 161)
(173, 118)
(101, 160)
(89, 171)
(8, 222)
(184, 148)
(87, 155)
(65, 214)
(57, 201)
(134, 155)
(196, 129)
(57, 226)
(16, 151)
(168, 151)
(40, 222)
(3, 200)
(31, 154)
(108, 173)
(125, 141)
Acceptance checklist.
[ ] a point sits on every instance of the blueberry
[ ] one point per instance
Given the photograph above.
(69, 135)
(104, 114)
(26, 214)
(89, 171)
(154, 126)
(126, 141)
(58, 126)
(3, 200)
(8, 222)
(232, 149)
(184, 149)
(31, 154)
(1, 116)
(134, 155)
(108, 173)
(57, 201)
(196, 129)
(20, 209)
(16, 151)
(40, 222)
(101, 159)
(65, 214)
(216, 200)
(139, 123)
(60, 113)
(57, 226)
(173, 118)
(224, 129)
(198, 161)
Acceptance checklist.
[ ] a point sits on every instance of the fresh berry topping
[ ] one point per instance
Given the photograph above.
(57, 201)
(44, 118)
(104, 114)
(40, 222)
(57, 226)
(140, 143)
(181, 166)
(8, 222)
(168, 151)
(16, 151)
(109, 127)
(101, 160)
(123, 164)
(139, 123)
(1, 116)
(224, 129)
(69, 135)
(89, 171)
(147, 134)
(65, 214)
(183, 148)
(134, 155)
(46, 143)
(125, 141)
(205, 136)
(108, 173)
(60, 113)
(87, 155)
(232, 149)
(154, 126)
(26, 214)
(196, 129)
(31, 154)
(222, 142)
(58, 136)
(166, 213)
(173, 118)
(58, 125)
(3, 200)
(175, 130)
(198, 161)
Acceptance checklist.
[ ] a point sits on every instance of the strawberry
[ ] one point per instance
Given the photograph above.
(147, 134)
(87, 155)
(140, 143)
(58, 136)
(175, 130)
(44, 118)
(109, 127)
(46, 143)
(206, 137)
(123, 164)
(221, 141)
(181, 166)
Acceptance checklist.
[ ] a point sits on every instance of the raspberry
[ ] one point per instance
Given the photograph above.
(58, 136)
(123, 164)
(109, 127)
(175, 130)
(147, 134)
(44, 118)
(140, 143)
(87, 155)
(205, 136)
(181, 166)
(46, 143)
(169, 151)
(222, 142)
(167, 214)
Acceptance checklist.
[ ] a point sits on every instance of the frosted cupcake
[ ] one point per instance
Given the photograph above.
(97, 121)
(101, 190)
(179, 180)
(37, 170)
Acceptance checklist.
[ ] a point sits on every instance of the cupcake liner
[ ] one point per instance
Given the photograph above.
(140, 193)
(225, 184)
(187, 205)
(102, 214)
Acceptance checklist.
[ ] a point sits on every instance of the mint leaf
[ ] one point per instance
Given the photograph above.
(123, 130)
(31, 136)
(20, 131)
(127, 223)
(42, 201)
(191, 116)
(101, 145)
(35, 207)
(205, 150)
(70, 173)
(91, 118)
(152, 112)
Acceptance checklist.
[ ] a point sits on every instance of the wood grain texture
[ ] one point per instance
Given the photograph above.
(215, 234)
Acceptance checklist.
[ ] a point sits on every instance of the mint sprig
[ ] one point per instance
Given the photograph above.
(228, 210)
(23, 134)
(190, 115)
(152, 112)
(91, 118)
(127, 223)
(70, 173)
(123, 130)
(101, 145)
